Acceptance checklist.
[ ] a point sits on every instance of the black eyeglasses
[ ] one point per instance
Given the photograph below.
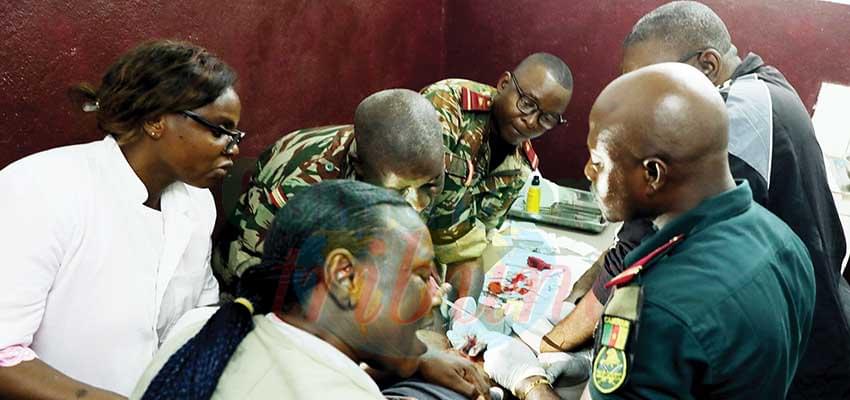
(528, 106)
(218, 131)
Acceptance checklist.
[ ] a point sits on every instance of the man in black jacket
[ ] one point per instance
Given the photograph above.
(771, 144)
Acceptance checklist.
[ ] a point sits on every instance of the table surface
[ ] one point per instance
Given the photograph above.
(600, 241)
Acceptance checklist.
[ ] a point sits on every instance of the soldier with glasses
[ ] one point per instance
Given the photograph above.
(487, 132)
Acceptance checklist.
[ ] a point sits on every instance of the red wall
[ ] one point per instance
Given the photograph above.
(806, 39)
(306, 63)
(301, 63)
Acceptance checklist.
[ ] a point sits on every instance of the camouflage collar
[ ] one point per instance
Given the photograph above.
(347, 168)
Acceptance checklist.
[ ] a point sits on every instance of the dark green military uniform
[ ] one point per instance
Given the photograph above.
(723, 313)
(296, 161)
(475, 198)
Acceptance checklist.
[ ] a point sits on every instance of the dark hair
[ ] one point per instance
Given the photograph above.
(155, 78)
(684, 26)
(400, 129)
(552, 63)
(328, 215)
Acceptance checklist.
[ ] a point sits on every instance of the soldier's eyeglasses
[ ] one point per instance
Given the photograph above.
(528, 106)
(218, 131)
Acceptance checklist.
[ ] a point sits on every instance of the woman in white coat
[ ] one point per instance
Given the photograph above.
(106, 244)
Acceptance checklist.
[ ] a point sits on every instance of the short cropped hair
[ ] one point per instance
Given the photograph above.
(399, 129)
(557, 67)
(683, 25)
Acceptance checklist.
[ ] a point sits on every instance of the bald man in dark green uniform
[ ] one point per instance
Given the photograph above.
(718, 303)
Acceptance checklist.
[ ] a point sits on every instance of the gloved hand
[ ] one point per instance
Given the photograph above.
(468, 334)
(509, 361)
(571, 367)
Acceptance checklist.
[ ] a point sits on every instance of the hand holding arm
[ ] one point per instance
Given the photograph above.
(448, 369)
(515, 366)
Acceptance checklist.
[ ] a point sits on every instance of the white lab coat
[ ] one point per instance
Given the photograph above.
(90, 278)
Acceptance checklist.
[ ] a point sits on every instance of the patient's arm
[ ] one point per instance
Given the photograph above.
(576, 328)
(585, 283)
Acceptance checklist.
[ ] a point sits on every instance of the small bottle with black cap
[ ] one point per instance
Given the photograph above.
(532, 198)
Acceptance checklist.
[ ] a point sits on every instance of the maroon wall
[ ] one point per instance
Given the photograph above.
(301, 63)
(806, 39)
(305, 63)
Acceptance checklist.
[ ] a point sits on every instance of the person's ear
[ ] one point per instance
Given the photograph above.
(154, 128)
(655, 174)
(709, 63)
(339, 278)
(360, 168)
(504, 81)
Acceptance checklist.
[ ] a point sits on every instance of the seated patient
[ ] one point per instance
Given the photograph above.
(344, 279)
(395, 143)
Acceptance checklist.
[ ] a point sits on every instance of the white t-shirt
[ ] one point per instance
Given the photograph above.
(90, 278)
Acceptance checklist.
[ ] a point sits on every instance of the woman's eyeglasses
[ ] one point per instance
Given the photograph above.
(235, 135)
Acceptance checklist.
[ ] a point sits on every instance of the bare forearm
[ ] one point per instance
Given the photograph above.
(543, 393)
(585, 283)
(37, 380)
(576, 328)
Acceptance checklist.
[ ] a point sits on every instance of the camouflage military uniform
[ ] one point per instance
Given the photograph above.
(474, 198)
(296, 161)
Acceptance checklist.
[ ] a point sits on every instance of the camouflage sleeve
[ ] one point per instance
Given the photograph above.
(277, 178)
(446, 100)
(492, 203)
(496, 198)
(451, 225)
(241, 245)
(467, 247)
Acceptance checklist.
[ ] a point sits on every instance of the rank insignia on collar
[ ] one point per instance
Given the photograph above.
(474, 101)
(530, 154)
(609, 369)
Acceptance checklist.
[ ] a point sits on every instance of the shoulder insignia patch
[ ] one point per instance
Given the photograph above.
(630, 273)
(609, 369)
(530, 154)
(474, 101)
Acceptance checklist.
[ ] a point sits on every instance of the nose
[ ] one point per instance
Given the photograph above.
(232, 150)
(530, 120)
